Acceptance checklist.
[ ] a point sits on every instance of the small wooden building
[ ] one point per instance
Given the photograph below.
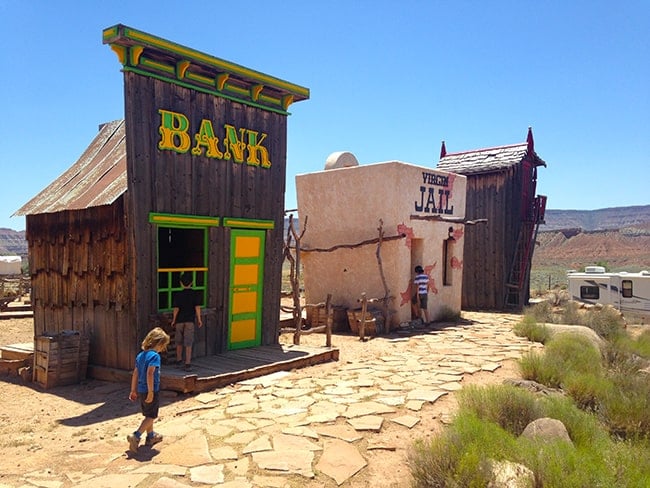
(192, 180)
(367, 226)
(501, 185)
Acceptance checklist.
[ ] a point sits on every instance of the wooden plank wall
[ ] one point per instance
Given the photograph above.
(80, 279)
(168, 182)
(489, 248)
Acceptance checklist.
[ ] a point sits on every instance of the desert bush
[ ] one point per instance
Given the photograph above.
(641, 344)
(540, 312)
(461, 455)
(625, 409)
(529, 328)
(571, 314)
(563, 354)
(606, 322)
(507, 406)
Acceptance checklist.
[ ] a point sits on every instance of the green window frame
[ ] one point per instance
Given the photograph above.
(182, 247)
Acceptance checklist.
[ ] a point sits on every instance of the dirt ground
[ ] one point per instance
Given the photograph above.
(39, 428)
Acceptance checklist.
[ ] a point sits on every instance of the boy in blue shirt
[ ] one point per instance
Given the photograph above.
(145, 385)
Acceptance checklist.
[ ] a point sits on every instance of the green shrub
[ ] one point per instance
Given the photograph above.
(641, 344)
(564, 353)
(529, 328)
(540, 312)
(626, 407)
(461, 455)
(507, 406)
(572, 314)
(607, 323)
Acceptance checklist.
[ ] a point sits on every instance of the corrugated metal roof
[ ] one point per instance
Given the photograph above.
(97, 178)
(487, 160)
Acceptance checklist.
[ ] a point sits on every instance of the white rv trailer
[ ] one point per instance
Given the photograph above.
(628, 292)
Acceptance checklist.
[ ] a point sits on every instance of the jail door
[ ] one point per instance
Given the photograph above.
(246, 287)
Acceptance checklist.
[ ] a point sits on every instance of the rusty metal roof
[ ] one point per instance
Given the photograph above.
(487, 160)
(97, 178)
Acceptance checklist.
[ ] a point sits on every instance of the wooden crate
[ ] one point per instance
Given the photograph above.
(354, 319)
(60, 359)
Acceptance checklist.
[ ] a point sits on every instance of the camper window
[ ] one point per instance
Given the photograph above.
(589, 292)
(626, 288)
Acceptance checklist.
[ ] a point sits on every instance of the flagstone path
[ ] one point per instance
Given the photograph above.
(348, 423)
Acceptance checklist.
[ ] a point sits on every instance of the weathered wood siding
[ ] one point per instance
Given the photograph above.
(490, 248)
(169, 182)
(81, 280)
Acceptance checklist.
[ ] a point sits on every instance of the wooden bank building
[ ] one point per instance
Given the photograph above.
(192, 180)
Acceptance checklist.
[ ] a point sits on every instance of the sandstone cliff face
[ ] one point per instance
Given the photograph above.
(13, 242)
(602, 219)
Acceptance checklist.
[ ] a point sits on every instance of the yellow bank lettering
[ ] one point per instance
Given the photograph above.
(173, 132)
(237, 144)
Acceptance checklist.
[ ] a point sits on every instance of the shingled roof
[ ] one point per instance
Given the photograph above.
(97, 178)
(489, 160)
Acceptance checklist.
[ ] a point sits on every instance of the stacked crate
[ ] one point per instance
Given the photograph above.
(60, 359)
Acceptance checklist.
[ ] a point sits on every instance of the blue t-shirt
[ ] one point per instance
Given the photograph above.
(143, 360)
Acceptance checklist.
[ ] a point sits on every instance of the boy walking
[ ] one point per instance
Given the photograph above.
(187, 307)
(145, 385)
(421, 295)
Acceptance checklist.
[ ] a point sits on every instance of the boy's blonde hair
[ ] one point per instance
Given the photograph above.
(156, 337)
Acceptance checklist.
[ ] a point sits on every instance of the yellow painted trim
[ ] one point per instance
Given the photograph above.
(158, 42)
(255, 92)
(181, 68)
(248, 224)
(162, 67)
(221, 80)
(286, 101)
(120, 51)
(199, 78)
(134, 55)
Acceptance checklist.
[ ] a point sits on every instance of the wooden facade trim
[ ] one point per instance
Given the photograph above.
(158, 58)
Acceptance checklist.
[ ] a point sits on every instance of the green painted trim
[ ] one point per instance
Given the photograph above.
(248, 223)
(208, 91)
(156, 65)
(183, 220)
(112, 34)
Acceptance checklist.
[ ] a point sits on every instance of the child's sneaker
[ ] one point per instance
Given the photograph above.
(134, 442)
(153, 439)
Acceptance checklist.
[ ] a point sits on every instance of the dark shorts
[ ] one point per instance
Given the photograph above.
(149, 409)
(184, 333)
(423, 300)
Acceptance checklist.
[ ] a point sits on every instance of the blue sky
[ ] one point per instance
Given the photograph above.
(389, 80)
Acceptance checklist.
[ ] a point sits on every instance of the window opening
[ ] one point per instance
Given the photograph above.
(626, 287)
(590, 292)
(180, 250)
(447, 256)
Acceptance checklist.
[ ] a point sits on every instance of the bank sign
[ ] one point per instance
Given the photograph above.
(228, 143)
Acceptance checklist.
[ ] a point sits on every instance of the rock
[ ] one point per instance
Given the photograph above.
(546, 429)
(590, 334)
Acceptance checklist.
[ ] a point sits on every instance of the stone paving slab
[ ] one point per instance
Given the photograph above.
(324, 427)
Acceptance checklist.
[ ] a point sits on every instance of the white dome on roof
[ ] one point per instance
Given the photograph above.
(341, 159)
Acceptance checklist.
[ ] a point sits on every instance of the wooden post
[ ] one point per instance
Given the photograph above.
(330, 317)
(362, 323)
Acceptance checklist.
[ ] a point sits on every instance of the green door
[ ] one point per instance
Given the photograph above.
(246, 280)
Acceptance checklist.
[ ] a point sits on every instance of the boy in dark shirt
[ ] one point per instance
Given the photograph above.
(187, 307)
